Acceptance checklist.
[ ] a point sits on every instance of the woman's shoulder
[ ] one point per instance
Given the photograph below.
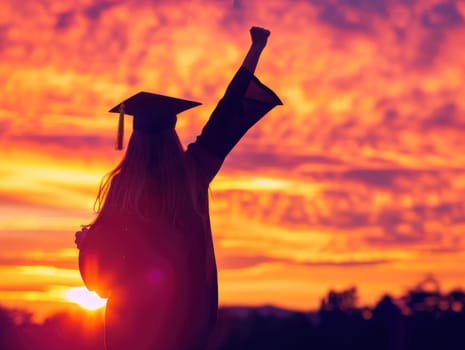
(202, 161)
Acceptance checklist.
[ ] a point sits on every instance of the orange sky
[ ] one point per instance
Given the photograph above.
(357, 180)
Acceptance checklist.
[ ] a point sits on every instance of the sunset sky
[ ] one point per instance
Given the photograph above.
(359, 179)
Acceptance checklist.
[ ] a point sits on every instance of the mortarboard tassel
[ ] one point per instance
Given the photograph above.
(119, 136)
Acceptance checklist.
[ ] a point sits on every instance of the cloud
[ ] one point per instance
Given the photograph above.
(342, 18)
(64, 20)
(364, 16)
(69, 263)
(3, 36)
(444, 116)
(4, 126)
(242, 262)
(381, 177)
(243, 160)
(382, 204)
(64, 142)
(442, 15)
(10, 199)
(95, 11)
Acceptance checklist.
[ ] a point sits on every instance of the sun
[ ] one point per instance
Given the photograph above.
(85, 299)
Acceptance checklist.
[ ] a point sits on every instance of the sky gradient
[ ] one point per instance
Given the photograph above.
(358, 179)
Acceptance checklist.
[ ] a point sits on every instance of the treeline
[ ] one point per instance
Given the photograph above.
(424, 318)
(67, 330)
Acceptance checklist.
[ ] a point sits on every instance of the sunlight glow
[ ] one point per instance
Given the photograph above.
(85, 299)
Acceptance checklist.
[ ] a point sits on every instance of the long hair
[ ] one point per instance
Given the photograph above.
(152, 179)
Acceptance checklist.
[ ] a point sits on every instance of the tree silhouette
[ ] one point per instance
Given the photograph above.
(9, 334)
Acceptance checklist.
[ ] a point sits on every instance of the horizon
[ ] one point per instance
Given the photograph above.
(427, 287)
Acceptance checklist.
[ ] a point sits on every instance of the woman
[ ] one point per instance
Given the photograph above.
(150, 250)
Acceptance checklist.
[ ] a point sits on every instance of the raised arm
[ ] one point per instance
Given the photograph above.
(259, 38)
(244, 103)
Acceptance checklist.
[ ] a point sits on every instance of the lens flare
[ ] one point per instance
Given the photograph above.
(85, 299)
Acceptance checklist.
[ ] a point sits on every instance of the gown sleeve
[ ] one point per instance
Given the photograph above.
(245, 102)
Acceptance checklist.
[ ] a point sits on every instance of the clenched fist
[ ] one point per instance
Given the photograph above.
(259, 36)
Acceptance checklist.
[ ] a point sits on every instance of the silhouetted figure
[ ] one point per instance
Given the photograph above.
(150, 249)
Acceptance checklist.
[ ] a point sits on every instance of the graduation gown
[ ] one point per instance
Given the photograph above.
(172, 302)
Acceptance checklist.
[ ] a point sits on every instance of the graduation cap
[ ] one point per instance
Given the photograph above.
(152, 113)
